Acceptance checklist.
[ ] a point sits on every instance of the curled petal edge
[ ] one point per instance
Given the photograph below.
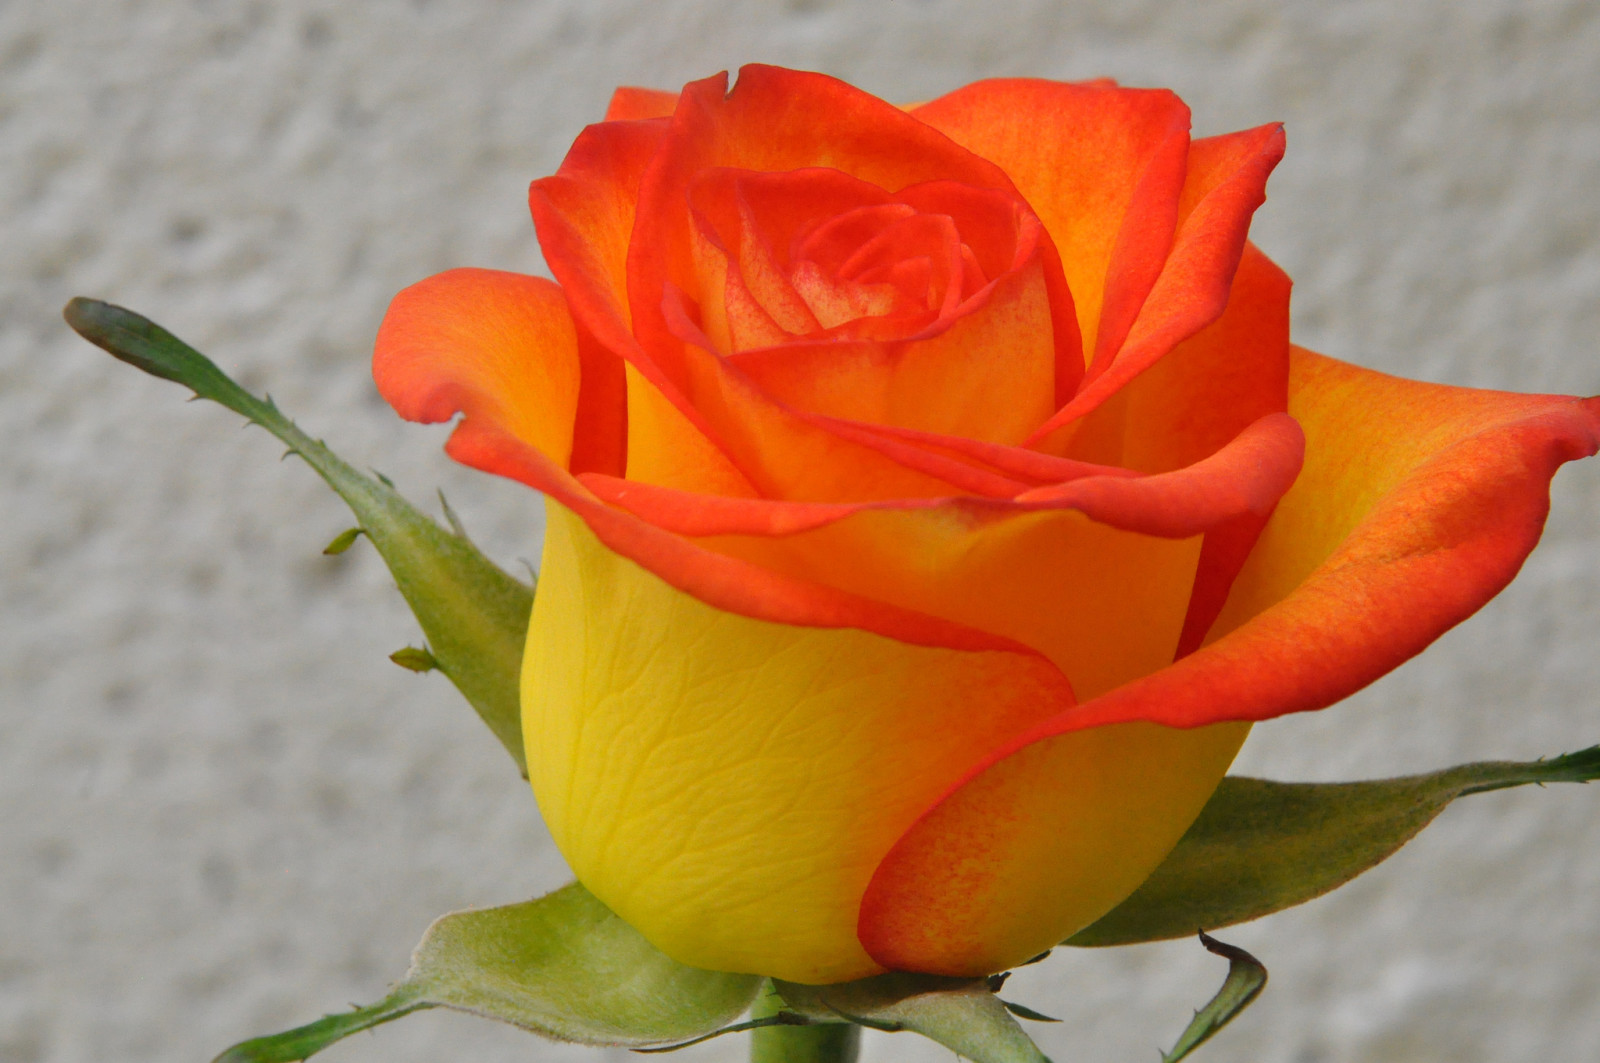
(1249, 475)
(1381, 596)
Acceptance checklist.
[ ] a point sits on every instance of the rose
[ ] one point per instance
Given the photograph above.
(909, 581)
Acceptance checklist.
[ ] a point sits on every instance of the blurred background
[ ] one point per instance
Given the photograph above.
(224, 812)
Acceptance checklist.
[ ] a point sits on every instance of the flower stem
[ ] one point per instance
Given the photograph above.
(834, 1042)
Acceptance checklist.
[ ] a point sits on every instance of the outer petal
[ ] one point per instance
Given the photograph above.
(1094, 574)
(731, 797)
(584, 216)
(1417, 504)
(1196, 399)
(499, 347)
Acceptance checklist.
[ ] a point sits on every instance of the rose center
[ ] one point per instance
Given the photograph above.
(808, 253)
(874, 261)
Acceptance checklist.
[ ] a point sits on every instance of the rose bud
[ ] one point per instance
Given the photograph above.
(934, 500)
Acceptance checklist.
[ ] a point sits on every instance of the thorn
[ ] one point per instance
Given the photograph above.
(343, 541)
(450, 516)
(414, 659)
(383, 479)
(1022, 1011)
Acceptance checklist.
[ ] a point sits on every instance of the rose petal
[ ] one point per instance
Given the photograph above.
(499, 347)
(1248, 476)
(1226, 183)
(1053, 836)
(731, 802)
(776, 120)
(584, 216)
(787, 454)
(1101, 165)
(1195, 399)
(1103, 598)
(630, 103)
(989, 376)
(466, 341)
(1417, 504)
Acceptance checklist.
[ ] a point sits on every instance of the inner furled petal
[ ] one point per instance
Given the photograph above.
(752, 219)
(1000, 229)
(813, 252)
(989, 376)
(906, 275)
(930, 236)
(836, 301)
(933, 308)
(831, 240)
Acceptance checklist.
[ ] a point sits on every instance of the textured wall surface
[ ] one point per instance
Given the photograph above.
(222, 811)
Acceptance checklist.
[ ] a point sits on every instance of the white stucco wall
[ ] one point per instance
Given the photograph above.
(222, 811)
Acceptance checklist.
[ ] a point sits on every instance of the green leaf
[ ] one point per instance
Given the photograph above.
(474, 615)
(563, 966)
(963, 1014)
(1260, 846)
(1247, 977)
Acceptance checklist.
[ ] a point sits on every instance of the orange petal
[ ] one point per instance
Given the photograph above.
(788, 454)
(1417, 504)
(1226, 183)
(775, 120)
(1018, 463)
(1094, 574)
(1248, 476)
(499, 347)
(1202, 394)
(501, 350)
(1101, 165)
(1042, 843)
(584, 216)
(630, 104)
(989, 376)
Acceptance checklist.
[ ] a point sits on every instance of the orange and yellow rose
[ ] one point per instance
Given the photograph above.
(934, 500)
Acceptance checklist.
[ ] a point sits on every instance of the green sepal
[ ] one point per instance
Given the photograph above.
(305, 1041)
(1261, 846)
(474, 615)
(563, 966)
(1247, 977)
(963, 1014)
